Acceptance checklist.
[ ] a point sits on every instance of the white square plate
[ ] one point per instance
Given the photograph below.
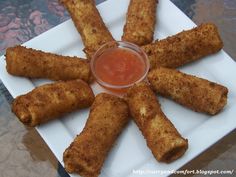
(130, 152)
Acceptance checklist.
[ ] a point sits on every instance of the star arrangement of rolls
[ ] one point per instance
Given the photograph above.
(109, 114)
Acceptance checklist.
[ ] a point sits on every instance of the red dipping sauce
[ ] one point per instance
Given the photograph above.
(118, 65)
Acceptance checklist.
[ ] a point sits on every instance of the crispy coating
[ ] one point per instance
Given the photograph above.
(50, 101)
(161, 136)
(86, 155)
(22, 61)
(184, 47)
(89, 23)
(140, 22)
(195, 93)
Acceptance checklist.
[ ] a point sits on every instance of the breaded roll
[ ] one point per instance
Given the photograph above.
(87, 153)
(140, 22)
(184, 47)
(50, 101)
(22, 61)
(89, 23)
(195, 93)
(161, 136)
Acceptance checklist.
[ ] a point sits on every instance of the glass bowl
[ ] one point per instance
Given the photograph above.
(117, 65)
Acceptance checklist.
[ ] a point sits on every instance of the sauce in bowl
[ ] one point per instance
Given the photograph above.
(118, 65)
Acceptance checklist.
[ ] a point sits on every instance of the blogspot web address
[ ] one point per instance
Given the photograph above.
(184, 172)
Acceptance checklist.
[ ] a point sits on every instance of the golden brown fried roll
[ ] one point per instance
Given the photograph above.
(107, 118)
(161, 136)
(140, 22)
(50, 101)
(89, 23)
(195, 93)
(184, 47)
(22, 61)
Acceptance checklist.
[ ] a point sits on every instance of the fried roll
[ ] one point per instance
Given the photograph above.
(184, 47)
(86, 155)
(89, 23)
(50, 101)
(161, 136)
(140, 22)
(195, 93)
(22, 61)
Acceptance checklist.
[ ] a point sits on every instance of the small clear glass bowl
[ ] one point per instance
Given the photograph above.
(123, 45)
